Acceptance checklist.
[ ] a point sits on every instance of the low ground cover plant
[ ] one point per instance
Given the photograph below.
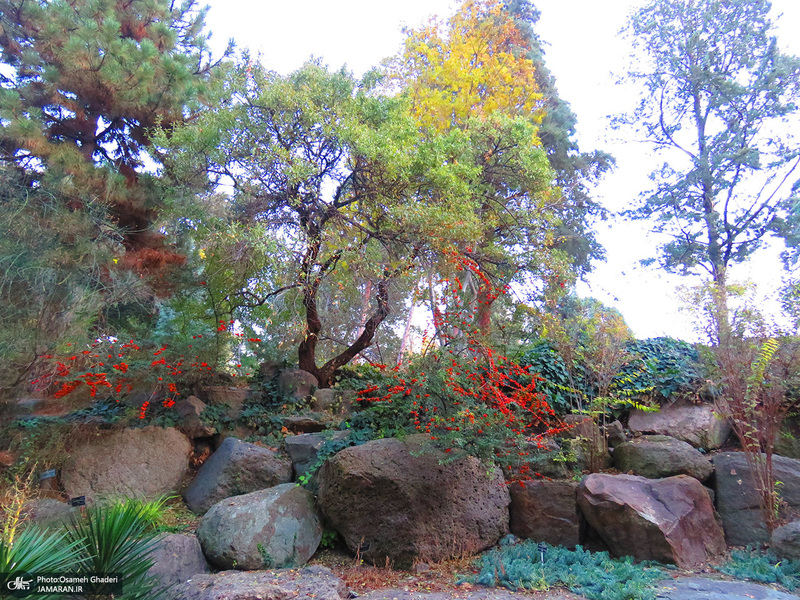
(591, 574)
(764, 567)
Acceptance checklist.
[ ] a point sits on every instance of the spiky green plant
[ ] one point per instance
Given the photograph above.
(36, 551)
(118, 538)
(764, 567)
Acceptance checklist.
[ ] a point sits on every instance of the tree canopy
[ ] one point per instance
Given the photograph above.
(338, 178)
(717, 96)
(472, 75)
(82, 85)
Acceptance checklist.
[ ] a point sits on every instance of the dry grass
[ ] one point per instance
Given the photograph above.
(12, 505)
(424, 577)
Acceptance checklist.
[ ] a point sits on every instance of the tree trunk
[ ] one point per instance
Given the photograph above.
(485, 299)
(307, 349)
(365, 298)
(406, 334)
(721, 317)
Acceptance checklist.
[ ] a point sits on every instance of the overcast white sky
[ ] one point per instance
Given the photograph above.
(583, 51)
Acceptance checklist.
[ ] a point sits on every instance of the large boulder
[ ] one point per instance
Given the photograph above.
(785, 541)
(315, 582)
(176, 558)
(233, 397)
(236, 468)
(737, 499)
(546, 511)
(697, 424)
(656, 456)
(296, 384)
(403, 500)
(668, 520)
(142, 463)
(333, 402)
(272, 528)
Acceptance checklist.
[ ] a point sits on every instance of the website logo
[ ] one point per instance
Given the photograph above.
(16, 585)
(19, 584)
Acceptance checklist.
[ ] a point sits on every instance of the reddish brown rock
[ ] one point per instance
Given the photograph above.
(392, 498)
(141, 463)
(546, 511)
(669, 520)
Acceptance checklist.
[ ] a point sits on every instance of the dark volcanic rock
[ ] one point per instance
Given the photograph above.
(546, 511)
(737, 500)
(697, 424)
(277, 527)
(177, 558)
(657, 456)
(392, 498)
(236, 468)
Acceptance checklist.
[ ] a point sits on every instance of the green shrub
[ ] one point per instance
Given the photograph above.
(764, 567)
(590, 574)
(670, 367)
(563, 390)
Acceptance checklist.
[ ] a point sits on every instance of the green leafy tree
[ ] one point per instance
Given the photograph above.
(55, 275)
(470, 76)
(718, 95)
(335, 174)
(83, 83)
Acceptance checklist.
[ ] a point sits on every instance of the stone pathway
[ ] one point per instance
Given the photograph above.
(683, 588)
(320, 583)
(702, 588)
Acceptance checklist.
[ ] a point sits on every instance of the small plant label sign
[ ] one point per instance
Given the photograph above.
(49, 474)
(78, 501)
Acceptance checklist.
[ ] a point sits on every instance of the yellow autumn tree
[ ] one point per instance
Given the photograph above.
(470, 76)
(472, 66)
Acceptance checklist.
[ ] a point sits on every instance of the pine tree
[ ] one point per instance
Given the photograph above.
(575, 171)
(83, 82)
